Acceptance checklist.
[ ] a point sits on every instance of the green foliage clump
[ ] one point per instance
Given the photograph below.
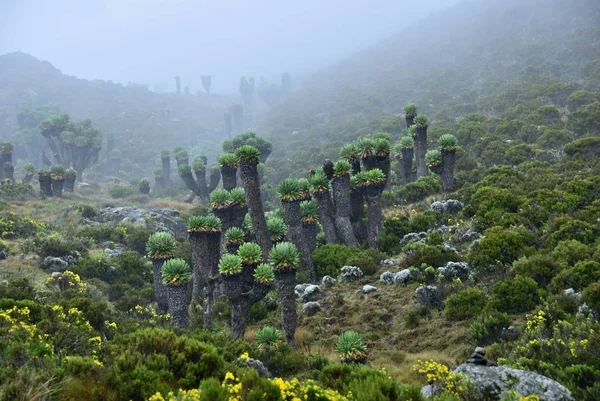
(220, 198)
(516, 295)
(465, 304)
(416, 191)
(209, 223)
(289, 190)
(540, 267)
(499, 247)
(420, 121)
(268, 337)
(235, 235)
(176, 272)
(199, 165)
(447, 143)
(277, 228)
(488, 328)
(406, 142)
(250, 253)
(342, 168)
(330, 258)
(184, 169)
(309, 212)
(248, 155)
(238, 197)
(58, 172)
(410, 109)
(366, 179)
(230, 265)
(161, 245)
(319, 182)
(228, 159)
(365, 383)
(284, 256)
(433, 158)
(351, 348)
(350, 152)
(264, 273)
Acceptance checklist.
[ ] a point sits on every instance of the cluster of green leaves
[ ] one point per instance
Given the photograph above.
(176, 272)
(161, 245)
(209, 223)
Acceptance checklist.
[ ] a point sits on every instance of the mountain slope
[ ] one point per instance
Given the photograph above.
(474, 57)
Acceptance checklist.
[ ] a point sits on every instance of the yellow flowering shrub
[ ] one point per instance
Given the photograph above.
(434, 372)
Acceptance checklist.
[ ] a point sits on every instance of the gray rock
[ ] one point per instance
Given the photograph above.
(259, 367)
(3, 255)
(497, 381)
(403, 277)
(350, 273)
(447, 247)
(470, 236)
(387, 277)
(113, 253)
(414, 237)
(54, 264)
(584, 309)
(450, 206)
(454, 270)
(310, 308)
(387, 263)
(447, 229)
(571, 292)
(328, 281)
(429, 391)
(511, 333)
(299, 289)
(311, 293)
(429, 296)
(368, 289)
(156, 219)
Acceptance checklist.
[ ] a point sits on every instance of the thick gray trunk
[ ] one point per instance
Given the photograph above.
(249, 173)
(69, 185)
(205, 261)
(448, 163)
(57, 188)
(357, 214)
(202, 187)
(166, 167)
(228, 176)
(374, 209)
(46, 185)
(341, 195)
(178, 305)
(407, 165)
(159, 288)
(327, 216)
(420, 150)
(286, 282)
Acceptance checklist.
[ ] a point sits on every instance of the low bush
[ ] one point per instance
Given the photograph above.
(330, 258)
(465, 305)
(577, 277)
(368, 260)
(540, 267)
(488, 328)
(516, 295)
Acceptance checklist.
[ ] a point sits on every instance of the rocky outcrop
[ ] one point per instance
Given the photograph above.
(308, 292)
(450, 206)
(454, 270)
(310, 308)
(350, 273)
(367, 289)
(494, 382)
(414, 237)
(429, 296)
(60, 264)
(327, 281)
(156, 219)
(258, 366)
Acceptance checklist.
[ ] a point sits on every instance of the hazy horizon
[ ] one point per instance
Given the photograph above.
(152, 41)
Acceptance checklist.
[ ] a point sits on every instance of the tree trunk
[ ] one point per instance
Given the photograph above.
(308, 239)
(357, 214)
(327, 216)
(215, 177)
(341, 195)
(238, 213)
(206, 247)
(448, 163)
(46, 185)
(374, 210)
(166, 167)
(228, 175)
(249, 174)
(27, 179)
(188, 180)
(409, 121)
(9, 171)
(407, 164)
(69, 185)
(240, 305)
(57, 187)
(181, 162)
(159, 185)
(178, 305)
(286, 282)
(291, 212)
(420, 150)
(201, 186)
(159, 288)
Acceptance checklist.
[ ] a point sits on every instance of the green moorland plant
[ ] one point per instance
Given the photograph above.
(285, 259)
(351, 348)
(176, 275)
(320, 190)
(277, 228)
(161, 247)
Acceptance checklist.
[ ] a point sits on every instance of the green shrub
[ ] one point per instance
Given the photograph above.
(488, 328)
(101, 233)
(418, 190)
(149, 360)
(368, 260)
(368, 383)
(330, 258)
(17, 289)
(351, 348)
(499, 247)
(569, 252)
(591, 296)
(540, 267)
(429, 255)
(577, 277)
(516, 295)
(268, 337)
(284, 360)
(465, 305)
(86, 211)
(119, 191)
(96, 266)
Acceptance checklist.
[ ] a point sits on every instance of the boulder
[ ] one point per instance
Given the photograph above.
(494, 382)
(387, 263)
(299, 289)
(311, 293)
(414, 237)
(429, 296)
(327, 281)
(402, 277)
(258, 366)
(350, 273)
(470, 236)
(310, 308)
(367, 289)
(450, 206)
(156, 219)
(454, 270)
(54, 264)
(113, 253)
(3, 255)
(387, 277)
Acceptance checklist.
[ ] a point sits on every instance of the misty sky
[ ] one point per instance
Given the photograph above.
(151, 41)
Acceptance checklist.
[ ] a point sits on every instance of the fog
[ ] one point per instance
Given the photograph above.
(152, 41)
